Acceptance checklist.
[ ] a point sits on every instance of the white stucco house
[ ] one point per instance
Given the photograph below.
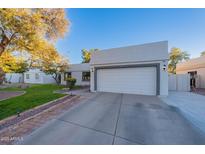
(139, 69)
(34, 76)
(196, 69)
(79, 71)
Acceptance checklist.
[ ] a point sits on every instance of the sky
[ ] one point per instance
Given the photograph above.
(111, 28)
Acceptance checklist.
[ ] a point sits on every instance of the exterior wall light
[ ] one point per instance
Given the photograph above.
(164, 67)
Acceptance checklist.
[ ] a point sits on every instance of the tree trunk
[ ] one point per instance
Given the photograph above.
(2, 76)
(56, 78)
(22, 77)
(1, 50)
(5, 40)
(1, 71)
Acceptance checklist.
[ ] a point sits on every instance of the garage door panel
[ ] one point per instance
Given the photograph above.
(127, 80)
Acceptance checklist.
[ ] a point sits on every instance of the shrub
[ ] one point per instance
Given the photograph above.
(70, 82)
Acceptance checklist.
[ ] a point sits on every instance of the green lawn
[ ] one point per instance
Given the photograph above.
(34, 96)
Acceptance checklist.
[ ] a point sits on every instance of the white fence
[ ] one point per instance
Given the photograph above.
(179, 82)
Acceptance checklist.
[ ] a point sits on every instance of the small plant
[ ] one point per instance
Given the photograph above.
(70, 82)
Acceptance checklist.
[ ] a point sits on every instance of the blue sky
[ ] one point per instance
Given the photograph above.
(110, 28)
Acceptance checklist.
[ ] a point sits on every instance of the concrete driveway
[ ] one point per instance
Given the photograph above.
(108, 118)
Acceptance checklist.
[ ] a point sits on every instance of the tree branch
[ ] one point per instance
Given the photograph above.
(12, 37)
(2, 31)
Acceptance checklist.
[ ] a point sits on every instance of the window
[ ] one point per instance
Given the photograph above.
(36, 76)
(27, 76)
(85, 76)
(67, 75)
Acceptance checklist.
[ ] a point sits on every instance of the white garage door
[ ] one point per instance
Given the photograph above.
(140, 80)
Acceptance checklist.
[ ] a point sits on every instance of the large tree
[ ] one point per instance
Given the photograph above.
(54, 67)
(12, 64)
(86, 55)
(21, 29)
(30, 30)
(175, 56)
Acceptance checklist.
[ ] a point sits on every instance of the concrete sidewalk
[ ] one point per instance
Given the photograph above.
(191, 105)
(9, 94)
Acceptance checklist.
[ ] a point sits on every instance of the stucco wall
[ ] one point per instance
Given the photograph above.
(156, 52)
(139, 53)
(92, 76)
(76, 72)
(163, 79)
(195, 63)
(32, 78)
(48, 78)
(43, 78)
(78, 76)
(200, 83)
(14, 77)
(79, 67)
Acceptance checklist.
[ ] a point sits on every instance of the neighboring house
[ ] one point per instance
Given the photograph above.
(35, 76)
(139, 69)
(14, 77)
(79, 71)
(196, 68)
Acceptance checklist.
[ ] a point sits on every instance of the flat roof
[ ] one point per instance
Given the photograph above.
(191, 64)
(79, 67)
(154, 51)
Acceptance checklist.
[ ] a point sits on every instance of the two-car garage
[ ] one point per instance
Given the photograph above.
(139, 69)
(133, 80)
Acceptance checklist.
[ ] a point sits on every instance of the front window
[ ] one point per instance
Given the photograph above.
(67, 75)
(36, 76)
(86, 76)
(27, 76)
